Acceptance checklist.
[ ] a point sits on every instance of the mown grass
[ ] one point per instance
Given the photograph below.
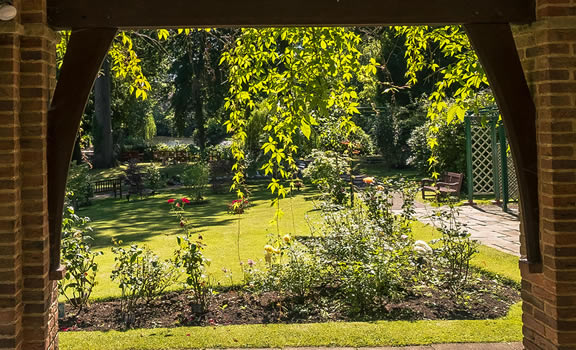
(351, 334)
(148, 222)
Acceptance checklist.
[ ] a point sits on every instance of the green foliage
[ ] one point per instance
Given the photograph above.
(134, 177)
(365, 255)
(215, 132)
(456, 249)
(303, 77)
(149, 127)
(141, 276)
(450, 152)
(391, 128)
(79, 259)
(459, 81)
(290, 269)
(79, 187)
(154, 180)
(197, 177)
(333, 138)
(325, 172)
(190, 256)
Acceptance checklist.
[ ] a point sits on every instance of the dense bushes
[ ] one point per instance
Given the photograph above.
(451, 148)
(326, 171)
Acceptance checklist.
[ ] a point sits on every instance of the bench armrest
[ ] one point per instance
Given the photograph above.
(427, 182)
(447, 183)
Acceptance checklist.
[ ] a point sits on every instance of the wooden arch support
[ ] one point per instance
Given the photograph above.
(86, 50)
(496, 49)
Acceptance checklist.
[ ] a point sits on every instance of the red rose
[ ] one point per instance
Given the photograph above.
(185, 200)
(171, 200)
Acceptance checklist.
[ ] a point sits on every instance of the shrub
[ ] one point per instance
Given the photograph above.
(456, 250)
(370, 251)
(325, 172)
(451, 148)
(238, 206)
(365, 254)
(197, 177)
(79, 259)
(141, 276)
(154, 179)
(79, 185)
(134, 178)
(190, 256)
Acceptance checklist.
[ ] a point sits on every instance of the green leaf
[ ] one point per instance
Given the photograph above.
(306, 130)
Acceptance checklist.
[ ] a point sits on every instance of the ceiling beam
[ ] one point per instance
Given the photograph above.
(134, 14)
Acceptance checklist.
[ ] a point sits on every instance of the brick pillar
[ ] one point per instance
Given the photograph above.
(28, 299)
(548, 52)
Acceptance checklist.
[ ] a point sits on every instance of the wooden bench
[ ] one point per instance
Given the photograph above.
(449, 185)
(109, 185)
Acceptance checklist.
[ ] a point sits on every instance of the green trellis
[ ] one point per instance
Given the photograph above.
(490, 168)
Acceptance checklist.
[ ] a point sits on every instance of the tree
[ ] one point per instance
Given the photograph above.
(199, 81)
(123, 64)
(102, 130)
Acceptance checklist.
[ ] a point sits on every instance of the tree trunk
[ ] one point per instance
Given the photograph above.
(102, 126)
(199, 116)
(77, 153)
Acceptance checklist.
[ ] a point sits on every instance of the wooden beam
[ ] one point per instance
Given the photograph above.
(495, 46)
(249, 13)
(87, 49)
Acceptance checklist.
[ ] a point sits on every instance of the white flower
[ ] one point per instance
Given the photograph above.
(422, 248)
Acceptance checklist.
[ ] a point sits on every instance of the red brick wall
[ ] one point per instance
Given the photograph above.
(548, 52)
(27, 69)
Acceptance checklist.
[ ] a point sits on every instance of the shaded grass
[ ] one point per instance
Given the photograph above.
(381, 171)
(167, 171)
(352, 334)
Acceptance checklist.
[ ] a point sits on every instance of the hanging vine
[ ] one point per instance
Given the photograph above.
(303, 77)
(446, 54)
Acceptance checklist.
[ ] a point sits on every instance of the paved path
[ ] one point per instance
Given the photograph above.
(487, 224)
(473, 346)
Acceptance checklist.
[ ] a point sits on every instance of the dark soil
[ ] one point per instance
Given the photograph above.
(484, 299)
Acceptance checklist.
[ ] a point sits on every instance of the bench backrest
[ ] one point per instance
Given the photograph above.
(456, 178)
(106, 185)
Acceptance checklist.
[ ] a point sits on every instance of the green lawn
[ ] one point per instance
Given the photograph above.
(351, 334)
(148, 222)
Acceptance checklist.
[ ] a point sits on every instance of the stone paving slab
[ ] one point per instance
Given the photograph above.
(487, 224)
